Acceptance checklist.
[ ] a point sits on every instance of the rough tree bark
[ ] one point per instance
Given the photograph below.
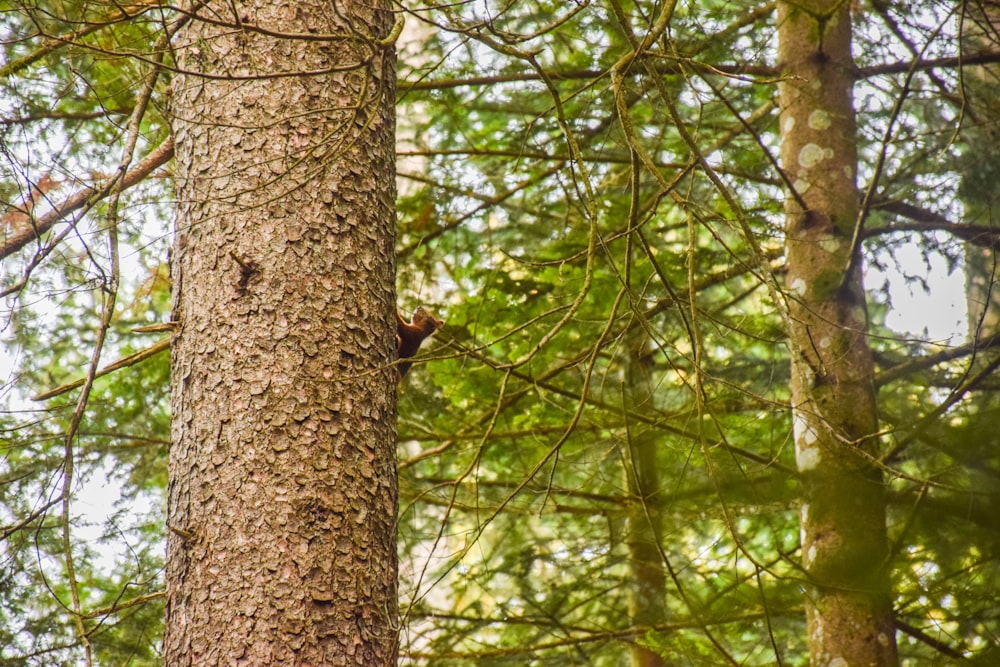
(844, 544)
(282, 495)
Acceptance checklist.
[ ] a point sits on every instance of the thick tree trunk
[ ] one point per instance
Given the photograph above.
(844, 544)
(282, 495)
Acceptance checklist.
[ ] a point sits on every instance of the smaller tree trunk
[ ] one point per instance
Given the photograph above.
(644, 521)
(980, 197)
(844, 543)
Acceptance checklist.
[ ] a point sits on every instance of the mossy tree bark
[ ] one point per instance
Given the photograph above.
(843, 514)
(647, 600)
(283, 490)
(980, 196)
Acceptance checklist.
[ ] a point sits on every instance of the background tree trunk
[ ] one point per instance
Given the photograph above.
(283, 492)
(981, 198)
(644, 518)
(843, 533)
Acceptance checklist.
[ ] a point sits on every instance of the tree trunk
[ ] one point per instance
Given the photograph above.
(282, 494)
(980, 198)
(647, 598)
(844, 544)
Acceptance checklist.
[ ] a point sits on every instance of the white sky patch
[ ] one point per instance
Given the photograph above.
(95, 505)
(938, 313)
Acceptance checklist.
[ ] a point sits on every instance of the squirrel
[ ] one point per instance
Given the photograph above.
(409, 335)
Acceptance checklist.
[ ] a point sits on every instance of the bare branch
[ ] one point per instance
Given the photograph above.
(86, 197)
(924, 220)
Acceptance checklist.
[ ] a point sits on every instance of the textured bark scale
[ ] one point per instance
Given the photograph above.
(283, 491)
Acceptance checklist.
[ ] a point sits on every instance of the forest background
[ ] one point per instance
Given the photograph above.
(663, 384)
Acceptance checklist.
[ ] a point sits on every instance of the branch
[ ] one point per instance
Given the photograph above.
(966, 60)
(979, 235)
(728, 69)
(924, 220)
(922, 636)
(160, 156)
(130, 360)
(52, 43)
(918, 363)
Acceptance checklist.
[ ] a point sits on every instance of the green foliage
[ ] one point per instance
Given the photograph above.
(513, 434)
